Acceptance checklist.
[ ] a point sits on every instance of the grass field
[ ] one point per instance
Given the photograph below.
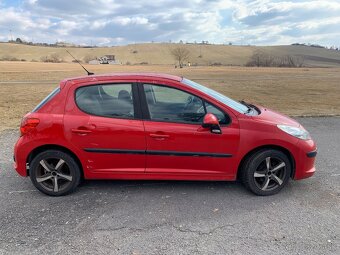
(159, 53)
(294, 91)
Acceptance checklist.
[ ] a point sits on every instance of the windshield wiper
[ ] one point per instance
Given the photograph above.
(250, 108)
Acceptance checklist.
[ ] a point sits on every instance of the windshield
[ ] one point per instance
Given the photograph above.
(218, 96)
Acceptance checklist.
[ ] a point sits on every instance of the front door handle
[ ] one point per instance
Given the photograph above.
(81, 131)
(159, 136)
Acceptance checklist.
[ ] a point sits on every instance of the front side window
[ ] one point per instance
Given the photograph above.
(218, 96)
(109, 100)
(173, 105)
(221, 116)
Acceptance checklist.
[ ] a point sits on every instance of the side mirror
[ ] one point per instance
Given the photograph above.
(211, 121)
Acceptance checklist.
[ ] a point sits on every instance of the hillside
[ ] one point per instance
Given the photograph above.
(159, 53)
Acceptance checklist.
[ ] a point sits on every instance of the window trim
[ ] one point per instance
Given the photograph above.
(227, 116)
(135, 101)
(48, 98)
(146, 112)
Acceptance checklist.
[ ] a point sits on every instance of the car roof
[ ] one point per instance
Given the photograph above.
(123, 76)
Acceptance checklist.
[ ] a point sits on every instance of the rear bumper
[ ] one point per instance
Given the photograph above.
(305, 160)
(21, 153)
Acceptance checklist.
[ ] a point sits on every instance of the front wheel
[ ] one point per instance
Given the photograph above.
(266, 172)
(54, 173)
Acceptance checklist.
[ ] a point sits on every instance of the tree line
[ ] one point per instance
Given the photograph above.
(261, 59)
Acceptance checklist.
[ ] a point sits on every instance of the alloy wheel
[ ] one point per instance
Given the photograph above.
(53, 174)
(270, 174)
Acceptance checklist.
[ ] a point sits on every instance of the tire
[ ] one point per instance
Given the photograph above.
(54, 173)
(266, 172)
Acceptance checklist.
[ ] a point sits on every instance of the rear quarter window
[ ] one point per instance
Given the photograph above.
(48, 98)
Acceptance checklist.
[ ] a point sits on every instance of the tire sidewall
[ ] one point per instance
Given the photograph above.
(253, 164)
(73, 167)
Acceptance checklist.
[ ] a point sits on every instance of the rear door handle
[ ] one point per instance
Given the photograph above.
(159, 136)
(81, 131)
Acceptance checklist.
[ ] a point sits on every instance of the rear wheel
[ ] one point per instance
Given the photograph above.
(266, 172)
(54, 173)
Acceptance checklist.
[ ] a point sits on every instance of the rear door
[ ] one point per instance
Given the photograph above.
(177, 144)
(104, 121)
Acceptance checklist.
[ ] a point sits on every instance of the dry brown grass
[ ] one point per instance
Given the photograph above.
(152, 53)
(160, 53)
(294, 91)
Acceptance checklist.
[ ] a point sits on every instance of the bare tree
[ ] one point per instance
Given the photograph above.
(180, 54)
(262, 59)
(297, 61)
(289, 61)
(255, 60)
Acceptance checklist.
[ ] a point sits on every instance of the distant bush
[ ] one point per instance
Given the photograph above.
(135, 51)
(128, 63)
(143, 63)
(216, 64)
(9, 58)
(34, 60)
(56, 58)
(53, 58)
(76, 61)
(44, 58)
(88, 58)
(18, 40)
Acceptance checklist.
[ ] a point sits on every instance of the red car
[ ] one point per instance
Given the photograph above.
(157, 127)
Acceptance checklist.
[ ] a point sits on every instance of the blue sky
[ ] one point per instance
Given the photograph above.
(112, 22)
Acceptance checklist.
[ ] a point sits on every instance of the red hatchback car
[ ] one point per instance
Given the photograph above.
(157, 127)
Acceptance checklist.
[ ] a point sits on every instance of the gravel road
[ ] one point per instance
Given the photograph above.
(143, 217)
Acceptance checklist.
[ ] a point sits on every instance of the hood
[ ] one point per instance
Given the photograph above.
(272, 117)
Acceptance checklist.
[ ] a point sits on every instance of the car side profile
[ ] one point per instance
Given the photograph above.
(144, 126)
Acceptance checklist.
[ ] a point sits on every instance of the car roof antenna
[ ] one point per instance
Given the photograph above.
(88, 73)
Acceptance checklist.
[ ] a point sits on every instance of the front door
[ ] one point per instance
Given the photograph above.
(103, 121)
(176, 142)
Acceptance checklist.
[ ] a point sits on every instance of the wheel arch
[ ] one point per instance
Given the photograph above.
(45, 147)
(264, 147)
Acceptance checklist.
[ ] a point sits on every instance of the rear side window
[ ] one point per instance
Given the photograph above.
(48, 98)
(109, 100)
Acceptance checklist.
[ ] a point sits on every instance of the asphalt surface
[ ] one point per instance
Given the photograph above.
(143, 217)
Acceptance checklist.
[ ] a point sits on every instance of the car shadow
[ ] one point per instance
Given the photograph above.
(110, 185)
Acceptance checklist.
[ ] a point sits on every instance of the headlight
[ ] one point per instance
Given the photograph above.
(295, 131)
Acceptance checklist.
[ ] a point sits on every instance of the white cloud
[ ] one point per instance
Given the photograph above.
(130, 21)
(107, 22)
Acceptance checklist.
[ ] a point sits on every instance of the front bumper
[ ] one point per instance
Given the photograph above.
(312, 154)
(305, 160)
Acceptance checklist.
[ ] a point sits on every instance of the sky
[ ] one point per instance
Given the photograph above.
(119, 22)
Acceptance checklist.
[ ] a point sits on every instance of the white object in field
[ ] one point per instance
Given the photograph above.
(113, 63)
(94, 62)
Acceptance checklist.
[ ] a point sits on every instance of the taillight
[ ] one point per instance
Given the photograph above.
(28, 125)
